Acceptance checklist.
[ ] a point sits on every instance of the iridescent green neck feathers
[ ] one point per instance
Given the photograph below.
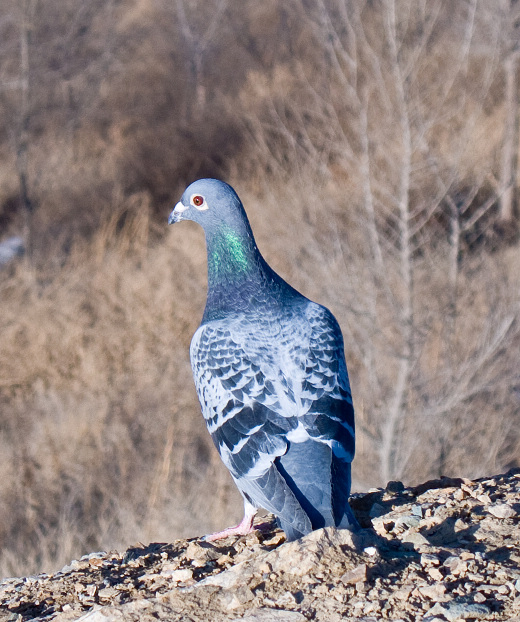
(231, 256)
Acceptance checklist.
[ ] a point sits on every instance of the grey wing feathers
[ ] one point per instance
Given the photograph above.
(238, 402)
(330, 413)
(276, 398)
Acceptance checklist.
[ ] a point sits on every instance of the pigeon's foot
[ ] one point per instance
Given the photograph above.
(242, 529)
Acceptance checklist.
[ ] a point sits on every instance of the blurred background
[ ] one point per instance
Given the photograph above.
(375, 146)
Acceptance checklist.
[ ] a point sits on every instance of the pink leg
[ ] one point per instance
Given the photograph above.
(242, 529)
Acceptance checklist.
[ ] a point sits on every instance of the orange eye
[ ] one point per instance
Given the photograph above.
(197, 200)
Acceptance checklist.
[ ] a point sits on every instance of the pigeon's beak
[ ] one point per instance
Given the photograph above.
(176, 214)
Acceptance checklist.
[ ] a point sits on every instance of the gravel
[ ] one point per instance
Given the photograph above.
(447, 550)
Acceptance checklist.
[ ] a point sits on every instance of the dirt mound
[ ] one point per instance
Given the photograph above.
(446, 550)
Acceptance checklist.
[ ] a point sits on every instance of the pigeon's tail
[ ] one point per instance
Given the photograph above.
(320, 482)
(340, 487)
(290, 532)
(306, 469)
(272, 492)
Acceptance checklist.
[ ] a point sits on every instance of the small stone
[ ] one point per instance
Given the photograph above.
(265, 567)
(403, 593)
(95, 562)
(275, 540)
(409, 520)
(105, 614)
(178, 575)
(286, 600)
(377, 510)
(395, 487)
(321, 590)
(417, 510)
(415, 538)
(236, 598)
(107, 593)
(265, 614)
(356, 575)
(74, 565)
(232, 602)
(99, 555)
(167, 569)
(454, 610)
(427, 559)
(433, 592)
(484, 587)
(198, 562)
(435, 574)
(338, 596)
(467, 488)
(455, 565)
(91, 590)
(382, 526)
(502, 510)
(370, 607)
(192, 550)
(361, 587)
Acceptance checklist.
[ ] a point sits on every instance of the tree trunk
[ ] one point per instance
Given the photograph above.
(509, 162)
(23, 131)
(395, 421)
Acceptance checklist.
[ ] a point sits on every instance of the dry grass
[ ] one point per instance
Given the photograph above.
(101, 438)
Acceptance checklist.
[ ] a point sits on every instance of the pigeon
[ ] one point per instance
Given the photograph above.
(270, 374)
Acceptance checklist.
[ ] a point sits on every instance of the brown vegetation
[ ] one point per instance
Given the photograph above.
(367, 141)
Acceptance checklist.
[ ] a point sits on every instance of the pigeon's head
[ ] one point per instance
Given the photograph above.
(210, 203)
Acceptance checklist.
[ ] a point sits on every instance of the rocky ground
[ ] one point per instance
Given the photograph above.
(446, 550)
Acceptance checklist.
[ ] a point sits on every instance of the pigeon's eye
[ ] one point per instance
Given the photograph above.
(198, 201)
